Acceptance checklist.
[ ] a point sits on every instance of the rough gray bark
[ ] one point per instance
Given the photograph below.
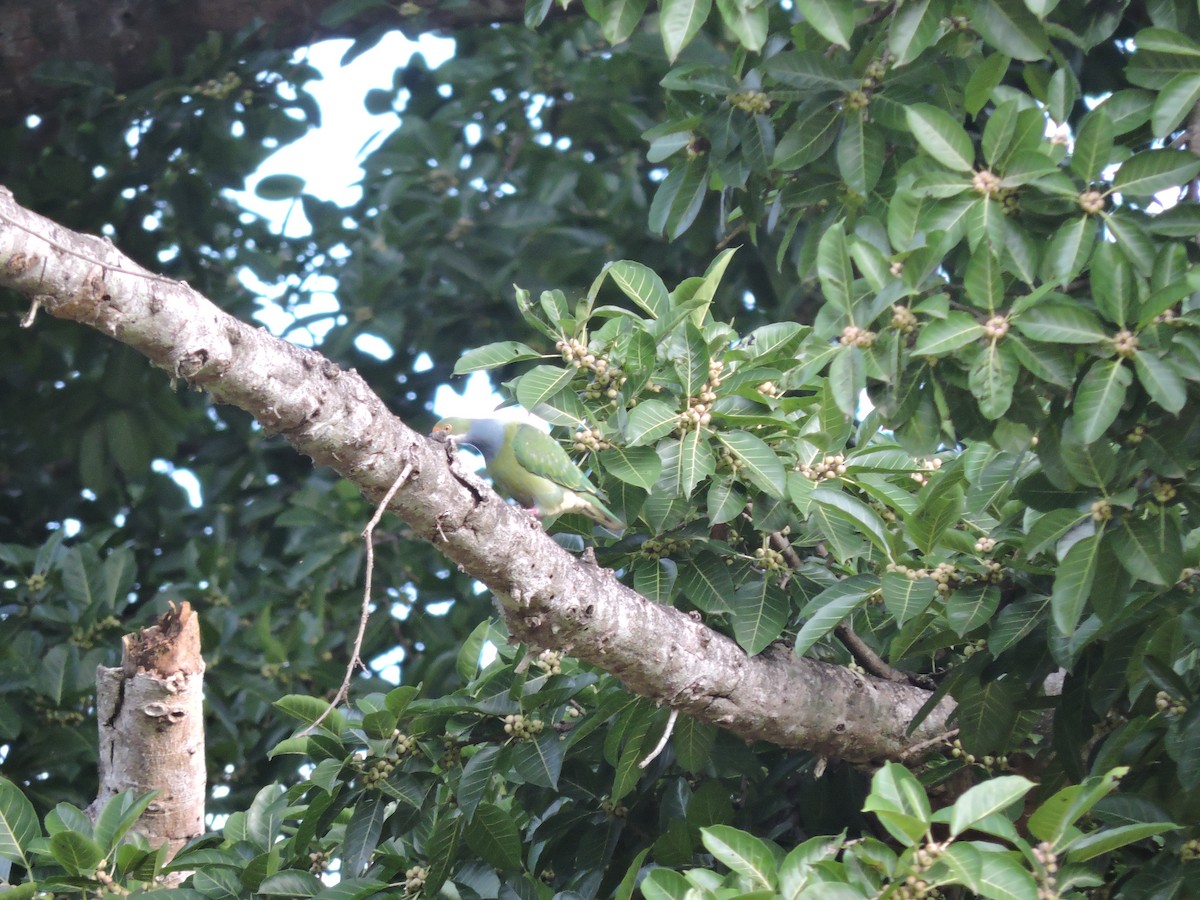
(124, 38)
(550, 597)
(150, 711)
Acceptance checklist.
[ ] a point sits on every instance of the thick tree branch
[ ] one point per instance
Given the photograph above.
(550, 598)
(125, 38)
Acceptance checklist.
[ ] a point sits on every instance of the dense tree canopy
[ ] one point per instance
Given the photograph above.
(876, 322)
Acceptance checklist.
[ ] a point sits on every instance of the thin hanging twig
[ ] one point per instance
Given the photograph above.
(355, 662)
(662, 742)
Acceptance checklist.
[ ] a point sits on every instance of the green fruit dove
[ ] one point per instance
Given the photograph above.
(531, 467)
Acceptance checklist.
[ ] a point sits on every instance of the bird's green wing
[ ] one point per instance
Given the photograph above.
(539, 453)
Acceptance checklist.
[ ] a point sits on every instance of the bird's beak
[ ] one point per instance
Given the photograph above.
(443, 435)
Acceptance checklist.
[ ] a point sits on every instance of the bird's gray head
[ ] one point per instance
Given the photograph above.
(485, 435)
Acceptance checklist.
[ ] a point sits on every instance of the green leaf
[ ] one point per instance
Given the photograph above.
(1052, 820)
(1150, 546)
(1062, 92)
(760, 466)
(688, 353)
(1073, 583)
(1002, 877)
(476, 779)
(665, 884)
(1128, 109)
(280, 187)
(540, 762)
(834, 269)
(625, 889)
(993, 378)
(1060, 323)
(941, 136)
(900, 802)
(904, 597)
(617, 18)
(649, 421)
(778, 338)
(290, 883)
(992, 796)
(706, 292)
(1026, 167)
(536, 12)
(1165, 40)
(1113, 288)
(352, 888)
(117, 816)
(490, 356)
(748, 22)
(726, 500)
(678, 199)
(699, 77)
(1146, 173)
(533, 315)
(707, 583)
(654, 578)
(553, 305)
(810, 71)
(1164, 385)
(442, 847)
(1093, 145)
(264, 818)
(982, 280)
(75, 852)
(679, 21)
(1089, 846)
(1137, 245)
(66, 817)
(693, 742)
(308, 710)
(915, 26)
(962, 861)
(826, 610)
(760, 610)
(984, 79)
(942, 337)
(1046, 531)
(813, 133)
(540, 384)
(860, 153)
(941, 508)
(861, 516)
(18, 823)
(1009, 27)
(1099, 398)
(83, 577)
(1016, 622)
(639, 466)
(638, 738)
(467, 660)
(743, 853)
(492, 835)
(643, 286)
(1069, 249)
(971, 606)
(693, 462)
(1174, 102)
(1047, 362)
(987, 713)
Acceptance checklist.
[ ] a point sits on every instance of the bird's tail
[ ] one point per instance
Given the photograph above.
(599, 513)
